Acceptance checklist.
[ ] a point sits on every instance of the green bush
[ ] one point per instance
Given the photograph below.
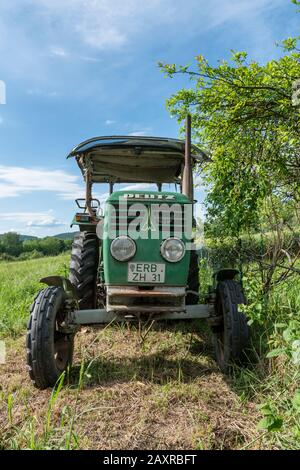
(11, 244)
(31, 255)
(6, 257)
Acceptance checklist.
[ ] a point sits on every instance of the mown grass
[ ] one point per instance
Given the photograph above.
(165, 392)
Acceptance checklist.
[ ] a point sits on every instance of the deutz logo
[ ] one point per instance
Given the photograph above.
(164, 197)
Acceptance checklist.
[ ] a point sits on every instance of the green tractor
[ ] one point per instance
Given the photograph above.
(136, 259)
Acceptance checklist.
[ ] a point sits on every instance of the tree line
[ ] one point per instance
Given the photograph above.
(13, 247)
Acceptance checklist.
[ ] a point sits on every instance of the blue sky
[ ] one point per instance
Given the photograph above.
(74, 69)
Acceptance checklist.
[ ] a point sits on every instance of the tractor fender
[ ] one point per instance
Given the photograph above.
(64, 283)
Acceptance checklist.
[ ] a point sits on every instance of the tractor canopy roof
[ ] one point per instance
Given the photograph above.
(133, 159)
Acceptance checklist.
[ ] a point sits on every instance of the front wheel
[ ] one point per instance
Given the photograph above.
(231, 335)
(49, 350)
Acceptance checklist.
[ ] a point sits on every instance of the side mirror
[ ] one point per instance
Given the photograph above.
(95, 204)
(80, 203)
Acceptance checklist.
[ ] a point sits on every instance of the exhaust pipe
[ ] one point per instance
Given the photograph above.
(187, 176)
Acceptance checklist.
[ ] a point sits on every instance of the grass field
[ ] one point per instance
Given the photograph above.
(163, 393)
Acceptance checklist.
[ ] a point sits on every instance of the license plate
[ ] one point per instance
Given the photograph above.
(146, 272)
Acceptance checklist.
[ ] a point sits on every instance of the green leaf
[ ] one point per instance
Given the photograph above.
(280, 325)
(270, 423)
(265, 409)
(265, 422)
(276, 425)
(276, 352)
(287, 334)
(289, 44)
(296, 400)
(296, 352)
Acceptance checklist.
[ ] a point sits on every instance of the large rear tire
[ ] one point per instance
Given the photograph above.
(83, 268)
(232, 335)
(49, 350)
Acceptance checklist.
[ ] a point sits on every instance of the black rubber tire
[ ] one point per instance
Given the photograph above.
(232, 336)
(44, 362)
(193, 279)
(84, 266)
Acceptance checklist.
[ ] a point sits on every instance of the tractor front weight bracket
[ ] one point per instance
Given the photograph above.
(96, 316)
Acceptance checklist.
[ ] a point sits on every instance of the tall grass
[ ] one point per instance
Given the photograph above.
(19, 282)
(272, 378)
(51, 432)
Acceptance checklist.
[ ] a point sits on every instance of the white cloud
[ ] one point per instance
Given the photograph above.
(111, 24)
(109, 122)
(88, 58)
(100, 24)
(94, 36)
(39, 92)
(237, 10)
(138, 187)
(58, 51)
(120, 187)
(141, 133)
(57, 28)
(32, 219)
(15, 181)
(45, 222)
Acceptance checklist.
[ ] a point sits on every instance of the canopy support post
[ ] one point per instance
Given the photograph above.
(88, 192)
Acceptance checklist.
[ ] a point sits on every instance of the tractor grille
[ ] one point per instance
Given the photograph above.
(167, 219)
(122, 216)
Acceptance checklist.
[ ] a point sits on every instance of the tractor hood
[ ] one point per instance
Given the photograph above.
(147, 197)
(133, 159)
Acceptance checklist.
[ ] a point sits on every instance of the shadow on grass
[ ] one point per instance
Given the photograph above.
(155, 368)
(201, 338)
(249, 378)
(165, 366)
(161, 367)
(244, 379)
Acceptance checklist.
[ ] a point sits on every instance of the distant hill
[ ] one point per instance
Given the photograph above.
(27, 237)
(23, 237)
(65, 236)
(61, 236)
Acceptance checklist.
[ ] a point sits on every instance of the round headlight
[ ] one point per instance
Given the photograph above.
(173, 249)
(122, 248)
